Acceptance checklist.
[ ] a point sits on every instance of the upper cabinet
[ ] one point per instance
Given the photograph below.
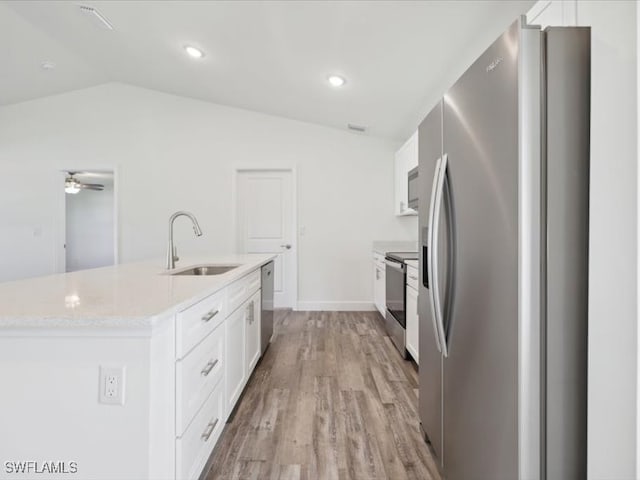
(406, 159)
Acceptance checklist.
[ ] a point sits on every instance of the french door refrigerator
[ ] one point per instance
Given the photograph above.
(503, 213)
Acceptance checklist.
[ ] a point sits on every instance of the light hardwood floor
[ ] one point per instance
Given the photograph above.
(331, 399)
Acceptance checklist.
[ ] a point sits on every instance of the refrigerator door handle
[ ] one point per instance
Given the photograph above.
(430, 254)
(435, 285)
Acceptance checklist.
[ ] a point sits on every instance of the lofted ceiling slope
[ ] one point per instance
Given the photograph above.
(268, 56)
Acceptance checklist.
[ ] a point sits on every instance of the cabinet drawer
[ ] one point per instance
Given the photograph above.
(240, 290)
(195, 446)
(378, 259)
(412, 278)
(197, 321)
(196, 376)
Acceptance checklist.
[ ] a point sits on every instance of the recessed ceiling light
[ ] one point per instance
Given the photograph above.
(47, 65)
(336, 80)
(194, 52)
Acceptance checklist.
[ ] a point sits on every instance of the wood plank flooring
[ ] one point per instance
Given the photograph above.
(331, 399)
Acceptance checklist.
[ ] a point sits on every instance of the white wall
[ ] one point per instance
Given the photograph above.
(613, 335)
(613, 226)
(89, 229)
(176, 153)
(29, 232)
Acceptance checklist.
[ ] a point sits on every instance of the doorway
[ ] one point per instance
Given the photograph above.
(90, 219)
(266, 223)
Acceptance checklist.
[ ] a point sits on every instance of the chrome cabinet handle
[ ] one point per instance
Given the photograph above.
(209, 315)
(209, 430)
(208, 367)
(287, 246)
(250, 312)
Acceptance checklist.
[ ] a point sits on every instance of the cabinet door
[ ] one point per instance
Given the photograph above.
(411, 152)
(412, 322)
(406, 158)
(236, 360)
(379, 292)
(253, 308)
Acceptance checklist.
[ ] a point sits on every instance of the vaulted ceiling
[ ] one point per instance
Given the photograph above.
(268, 56)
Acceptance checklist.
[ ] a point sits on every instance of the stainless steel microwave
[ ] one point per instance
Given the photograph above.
(412, 179)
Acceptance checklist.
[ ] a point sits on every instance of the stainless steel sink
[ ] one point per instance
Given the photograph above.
(206, 270)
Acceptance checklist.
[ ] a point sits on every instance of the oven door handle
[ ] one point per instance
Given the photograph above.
(395, 265)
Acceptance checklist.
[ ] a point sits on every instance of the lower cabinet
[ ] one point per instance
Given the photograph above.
(210, 378)
(412, 322)
(379, 283)
(197, 375)
(253, 332)
(236, 371)
(195, 446)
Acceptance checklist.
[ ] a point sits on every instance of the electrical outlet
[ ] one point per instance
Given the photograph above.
(112, 381)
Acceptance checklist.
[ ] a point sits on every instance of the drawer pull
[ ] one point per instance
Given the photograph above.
(209, 430)
(207, 369)
(209, 315)
(412, 277)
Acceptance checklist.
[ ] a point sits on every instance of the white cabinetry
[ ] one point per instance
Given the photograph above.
(406, 158)
(412, 313)
(185, 370)
(195, 446)
(236, 369)
(242, 334)
(196, 376)
(379, 283)
(252, 344)
(210, 378)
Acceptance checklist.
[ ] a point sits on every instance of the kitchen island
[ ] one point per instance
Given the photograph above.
(127, 371)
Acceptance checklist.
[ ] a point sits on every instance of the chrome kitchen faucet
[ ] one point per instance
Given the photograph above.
(172, 252)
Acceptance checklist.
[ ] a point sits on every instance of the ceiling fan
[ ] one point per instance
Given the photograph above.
(72, 185)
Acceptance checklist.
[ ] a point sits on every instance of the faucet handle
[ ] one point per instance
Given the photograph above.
(175, 254)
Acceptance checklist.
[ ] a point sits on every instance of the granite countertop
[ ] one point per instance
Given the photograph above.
(382, 247)
(117, 296)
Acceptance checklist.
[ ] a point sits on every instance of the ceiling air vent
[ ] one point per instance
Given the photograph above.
(96, 16)
(356, 128)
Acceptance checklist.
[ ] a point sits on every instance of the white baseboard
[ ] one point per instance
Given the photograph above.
(336, 306)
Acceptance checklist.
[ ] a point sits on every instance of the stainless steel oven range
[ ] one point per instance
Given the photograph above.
(396, 290)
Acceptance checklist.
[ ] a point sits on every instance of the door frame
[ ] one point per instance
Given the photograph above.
(61, 253)
(294, 193)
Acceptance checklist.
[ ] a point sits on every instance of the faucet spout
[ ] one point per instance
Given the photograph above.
(172, 253)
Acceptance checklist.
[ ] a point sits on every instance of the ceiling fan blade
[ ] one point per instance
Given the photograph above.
(92, 186)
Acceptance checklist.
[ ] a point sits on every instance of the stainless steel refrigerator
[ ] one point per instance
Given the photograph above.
(503, 212)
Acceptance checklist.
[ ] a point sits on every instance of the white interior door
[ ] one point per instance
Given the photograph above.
(266, 224)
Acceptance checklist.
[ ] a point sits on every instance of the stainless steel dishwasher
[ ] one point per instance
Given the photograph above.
(266, 319)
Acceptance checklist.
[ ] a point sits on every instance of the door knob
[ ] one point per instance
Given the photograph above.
(287, 246)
